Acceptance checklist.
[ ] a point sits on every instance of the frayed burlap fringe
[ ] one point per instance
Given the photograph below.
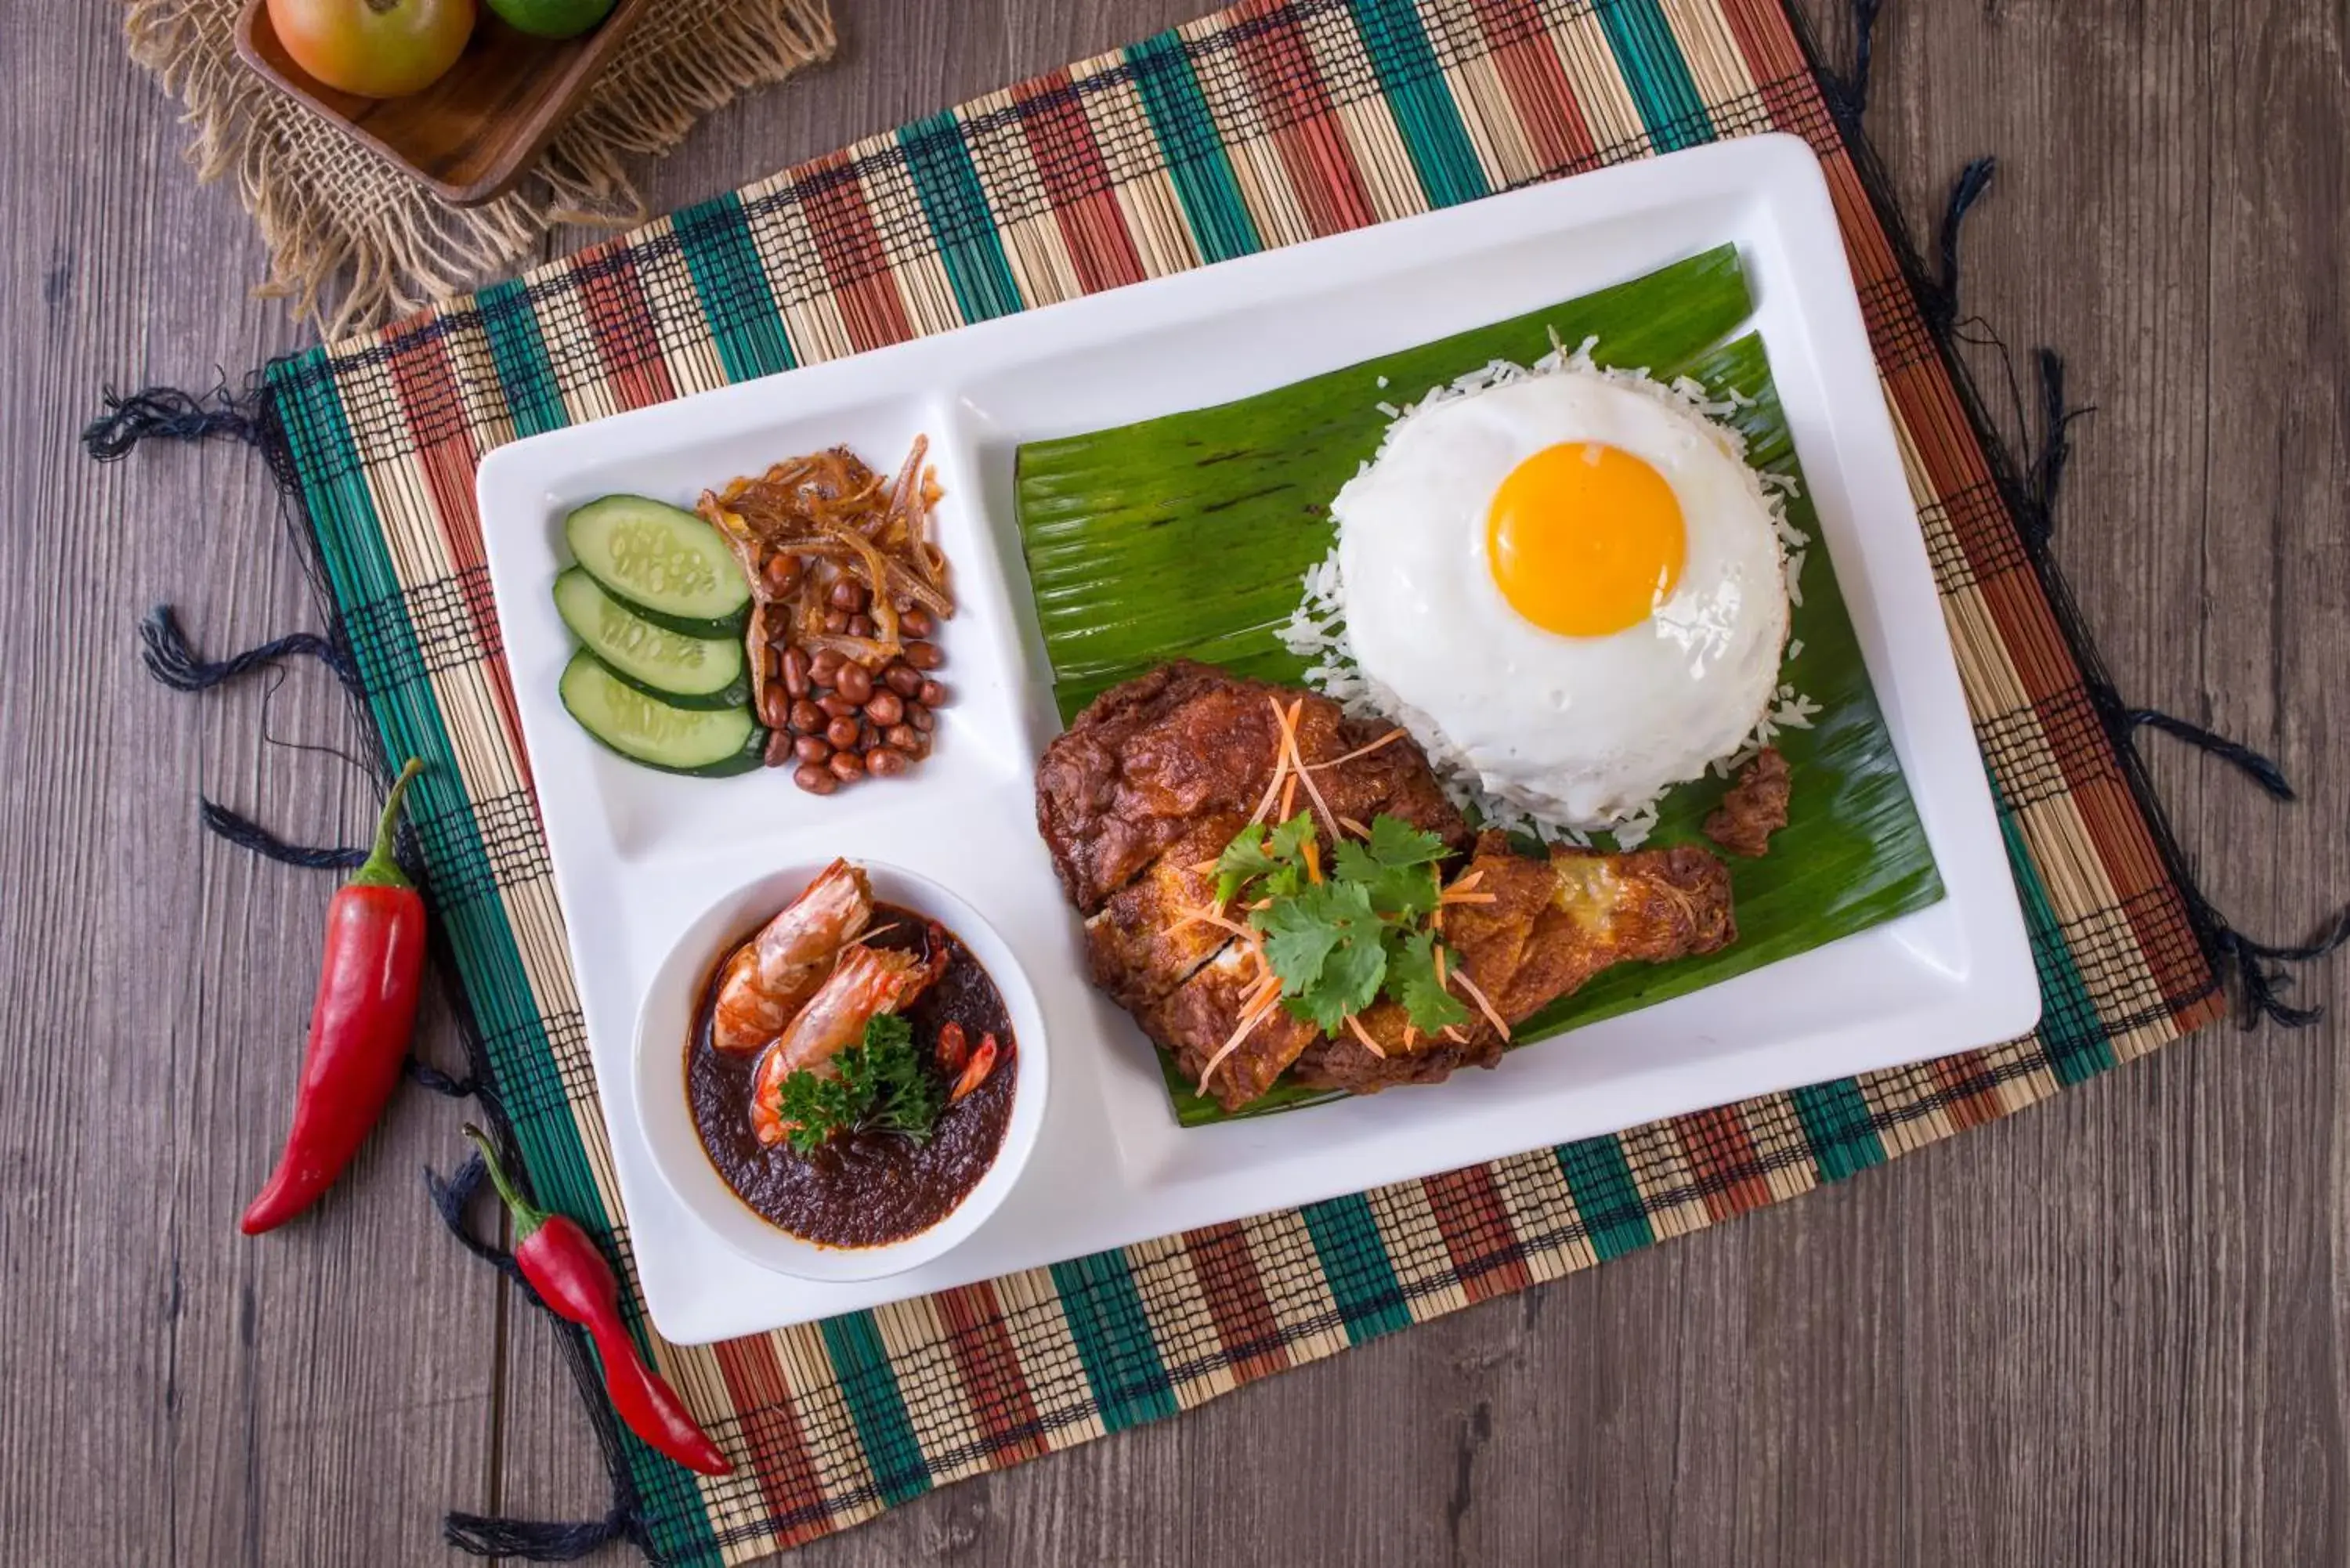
(355, 243)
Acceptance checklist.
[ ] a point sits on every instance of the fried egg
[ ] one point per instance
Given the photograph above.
(1569, 585)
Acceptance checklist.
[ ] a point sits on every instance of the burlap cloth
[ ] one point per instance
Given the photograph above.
(355, 243)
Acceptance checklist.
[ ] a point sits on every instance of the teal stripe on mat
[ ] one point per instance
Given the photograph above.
(1114, 1341)
(1658, 78)
(519, 352)
(1417, 95)
(351, 545)
(1836, 1124)
(870, 1385)
(1356, 1264)
(731, 282)
(944, 177)
(2072, 1036)
(1604, 1195)
(1196, 160)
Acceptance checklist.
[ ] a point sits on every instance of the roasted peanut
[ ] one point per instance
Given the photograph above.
(847, 765)
(812, 749)
(854, 681)
(849, 595)
(841, 733)
(824, 668)
(916, 622)
(883, 763)
(806, 717)
(903, 679)
(816, 778)
(933, 694)
(837, 706)
(884, 707)
(924, 656)
(795, 671)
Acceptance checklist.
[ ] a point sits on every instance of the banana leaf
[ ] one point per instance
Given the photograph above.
(1187, 536)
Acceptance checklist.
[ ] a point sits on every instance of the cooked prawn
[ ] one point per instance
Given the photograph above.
(772, 976)
(865, 983)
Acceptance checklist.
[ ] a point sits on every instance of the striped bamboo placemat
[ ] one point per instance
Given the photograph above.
(1265, 125)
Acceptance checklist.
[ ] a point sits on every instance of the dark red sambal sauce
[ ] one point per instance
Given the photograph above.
(863, 1189)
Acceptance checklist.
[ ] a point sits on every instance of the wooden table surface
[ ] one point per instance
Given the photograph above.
(2109, 1329)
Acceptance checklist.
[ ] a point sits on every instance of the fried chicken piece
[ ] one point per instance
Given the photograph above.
(1552, 926)
(1195, 1020)
(1149, 758)
(1754, 808)
(1139, 945)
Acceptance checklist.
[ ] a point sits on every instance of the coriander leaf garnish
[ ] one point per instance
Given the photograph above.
(878, 1084)
(1411, 979)
(1339, 944)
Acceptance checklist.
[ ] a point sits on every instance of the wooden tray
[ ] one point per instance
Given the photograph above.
(471, 135)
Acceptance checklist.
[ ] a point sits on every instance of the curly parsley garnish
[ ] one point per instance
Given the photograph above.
(878, 1084)
(1340, 942)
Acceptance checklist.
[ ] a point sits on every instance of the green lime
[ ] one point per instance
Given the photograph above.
(552, 18)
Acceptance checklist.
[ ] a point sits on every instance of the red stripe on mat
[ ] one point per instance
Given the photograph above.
(614, 294)
(1228, 1276)
(998, 1389)
(841, 220)
(1478, 1236)
(425, 379)
(1723, 1153)
(758, 1389)
(1313, 144)
(1534, 78)
(1077, 178)
(1971, 1095)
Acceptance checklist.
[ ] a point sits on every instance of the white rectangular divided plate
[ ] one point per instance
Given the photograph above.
(637, 854)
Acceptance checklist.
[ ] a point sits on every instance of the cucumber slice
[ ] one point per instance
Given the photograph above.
(688, 671)
(710, 742)
(667, 564)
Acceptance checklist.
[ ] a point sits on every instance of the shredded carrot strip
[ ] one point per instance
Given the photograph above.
(1356, 828)
(1411, 1036)
(1387, 739)
(1469, 881)
(1210, 918)
(1289, 797)
(1202, 868)
(1440, 963)
(1455, 1035)
(1363, 1036)
(1313, 861)
(1457, 896)
(1280, 768)
(1478, 997)
(1298, 759)
(1248, 1023)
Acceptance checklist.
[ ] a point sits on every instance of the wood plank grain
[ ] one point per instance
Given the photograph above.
(176, 1393)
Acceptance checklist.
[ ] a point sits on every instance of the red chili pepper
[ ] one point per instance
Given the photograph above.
(563, 1266)
(360, 1024)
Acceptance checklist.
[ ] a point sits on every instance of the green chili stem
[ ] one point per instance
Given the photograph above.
(382, 867)
(526, 1218)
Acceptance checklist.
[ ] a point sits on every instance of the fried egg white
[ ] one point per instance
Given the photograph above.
(1568, 586)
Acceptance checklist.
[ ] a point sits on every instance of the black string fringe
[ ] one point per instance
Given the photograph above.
(1972, 181)
(174, 415)
(2262, 980)
(1847, 95)
(538, 1540)
(247, 834)
(2261, 770)
(426, 1075)
(170, 659)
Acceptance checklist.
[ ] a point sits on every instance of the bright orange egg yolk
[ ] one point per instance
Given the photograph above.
(1585, 539)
